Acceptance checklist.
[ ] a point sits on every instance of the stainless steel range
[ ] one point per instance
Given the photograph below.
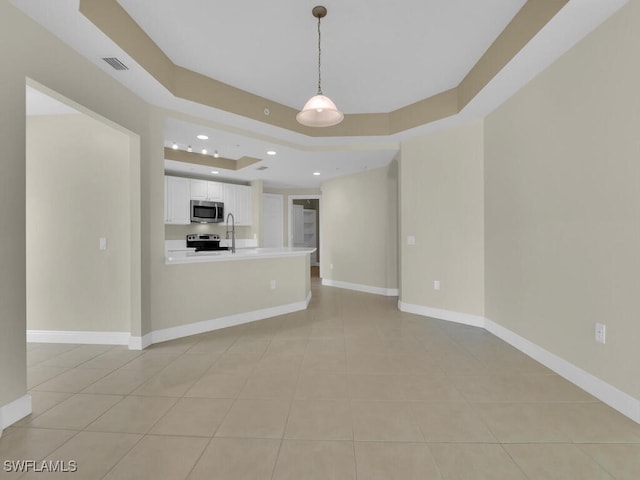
(204, 242)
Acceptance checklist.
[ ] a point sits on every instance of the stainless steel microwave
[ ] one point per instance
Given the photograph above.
(203, 211)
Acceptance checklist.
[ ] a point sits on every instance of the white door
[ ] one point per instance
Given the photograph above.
(297, 225)
(272, 220)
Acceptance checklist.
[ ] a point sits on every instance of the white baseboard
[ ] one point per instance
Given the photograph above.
(615, 398)
(608, 394)
(139, 343)
(307, 300)
(94, 338)
(451, 316)
(14, 411)
(389, 292)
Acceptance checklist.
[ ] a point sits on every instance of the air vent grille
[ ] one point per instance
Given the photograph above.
(115, 63)
(262, 168)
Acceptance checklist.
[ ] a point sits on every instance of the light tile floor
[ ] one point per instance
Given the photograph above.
(349, 388)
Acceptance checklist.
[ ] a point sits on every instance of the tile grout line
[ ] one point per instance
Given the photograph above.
(284, 430)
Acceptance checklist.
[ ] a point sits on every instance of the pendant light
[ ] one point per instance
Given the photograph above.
(319, 111)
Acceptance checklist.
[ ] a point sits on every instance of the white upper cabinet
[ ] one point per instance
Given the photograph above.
(179, 191)
(244, 204)
(229, 199)
(237, 200)
(177, 200)
(205, 190)
(198, 189)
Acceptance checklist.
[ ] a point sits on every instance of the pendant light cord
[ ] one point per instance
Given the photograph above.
(319, 54)
(319, 111)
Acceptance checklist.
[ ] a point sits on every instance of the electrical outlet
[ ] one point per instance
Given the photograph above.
(103, 243)
(273, 284)
(436, 284)
(601, 332)
(411, 240)
(331, 266)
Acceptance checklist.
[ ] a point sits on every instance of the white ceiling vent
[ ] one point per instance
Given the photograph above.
(115, 63)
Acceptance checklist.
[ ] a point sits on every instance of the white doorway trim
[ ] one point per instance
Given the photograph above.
(135, 240)
(290, 200)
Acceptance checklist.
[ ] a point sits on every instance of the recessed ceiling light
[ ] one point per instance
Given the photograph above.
(215, 172)
(271, 152)
(204, 151)
(174, 146)
(316, 173)
(203, 137)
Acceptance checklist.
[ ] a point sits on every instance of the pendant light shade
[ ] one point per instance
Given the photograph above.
(319, 111)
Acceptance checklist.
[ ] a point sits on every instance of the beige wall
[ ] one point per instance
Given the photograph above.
(359, 227)
(77, 191)
(30, 53)
(13, 377)
(441, 205)
(563, 205)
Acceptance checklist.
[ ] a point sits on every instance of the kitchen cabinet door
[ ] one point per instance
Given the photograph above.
(215, 191)
(198, 189)
(237, 200)
(205, 190)
(229, 199)
(244, 205)
(177, 200)
(166, 199)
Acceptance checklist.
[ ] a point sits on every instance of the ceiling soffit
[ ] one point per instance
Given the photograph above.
(209, 160)
(116, 23)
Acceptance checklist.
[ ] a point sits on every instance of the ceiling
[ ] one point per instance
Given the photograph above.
(270, 48)
(378, 56)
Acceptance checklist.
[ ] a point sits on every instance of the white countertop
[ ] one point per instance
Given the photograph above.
(190, 256)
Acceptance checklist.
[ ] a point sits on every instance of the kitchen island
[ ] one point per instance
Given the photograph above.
(192, 256)
(210, 290)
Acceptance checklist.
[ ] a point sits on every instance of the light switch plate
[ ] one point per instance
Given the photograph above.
(601, 332)
(411, 240)
(103, 243)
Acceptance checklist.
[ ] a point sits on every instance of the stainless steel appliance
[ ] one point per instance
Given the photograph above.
(204, 242)
(203, 211)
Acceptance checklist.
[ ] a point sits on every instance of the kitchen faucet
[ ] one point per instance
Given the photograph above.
(233, 232)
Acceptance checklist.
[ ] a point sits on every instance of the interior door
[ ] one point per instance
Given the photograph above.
(272, 220)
